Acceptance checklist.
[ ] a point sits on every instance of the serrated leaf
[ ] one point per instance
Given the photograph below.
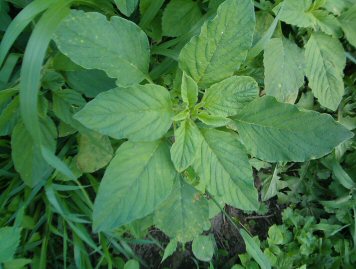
(284, 69)
(222, 44)
(203, 247)
(170, 249)
(136, 181)
(140, 113)
(9, 241)
(118, 47)
(327, 23)
(127, 7)
(228, 97)
(172, 22)
(274, 132)
(187, 142)
(348, 24)
(183, 215)
(297, 13)
(27, 156)
(216, 163)
(212, 120)
(94, 152)
(189, 90)
(325, 60)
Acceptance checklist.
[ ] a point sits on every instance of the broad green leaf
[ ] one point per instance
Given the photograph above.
(297, 13)
(284, 69)
(348, 24)
(27, 156)
(222, 44)
(127, 7)
(263, 21)
(327, 23)
(213, 120)
(94, 152)
(184, 214)
(189, 90)
(132, 264)
(187, 142)
(274, 132)
(203, 247)
(140, 113)
(335, 7)
(118, 47)
(228, 97)
(9, 241)
(89, 82)
(254, 250)
(136, 181)
(219, 155)
(66, 103)
(170, 249)
(179, 16)
(17, 264)
(325, 60)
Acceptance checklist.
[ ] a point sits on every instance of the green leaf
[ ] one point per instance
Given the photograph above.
(297, 13)
(348, 23)
(284, 69)
(222, 44)
(254, 250)
(325, 60)
(170, 249)
(118, 47)
(94, 152)
(140, 113)
(229, 96)
(132, 264)
(127, 7)
(219, 155)
(172, 22)
(189, 90)
(17, 264)
(89, 82)
(187, 142)
(10, 113)
(184, 214)
(327, 23)
(65, 103)
(203, 247)
(275, 132)
(27, 156)
(212, 120)
(136, 181)
(9, 241)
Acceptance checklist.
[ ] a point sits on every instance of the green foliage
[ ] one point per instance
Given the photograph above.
(122, 117)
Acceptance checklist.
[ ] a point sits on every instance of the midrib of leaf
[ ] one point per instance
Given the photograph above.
(106, 49)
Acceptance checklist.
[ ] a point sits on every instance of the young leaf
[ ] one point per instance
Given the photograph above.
(170, 249)
(189, 90)
(172, 22)
(118, 47)
(297, 13)
(187, 142)
(27, 155)
(219, 155)
(212, 120)
(203, 247)
(9, 241)
(348, 23)
(127, 7)
(284, 69)
(228, 97)
(325, 60)
(276, 132)
(184, 214)
(136, 181)
(254, 250)
(94, 152)
(140, 113)
(222, 44)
